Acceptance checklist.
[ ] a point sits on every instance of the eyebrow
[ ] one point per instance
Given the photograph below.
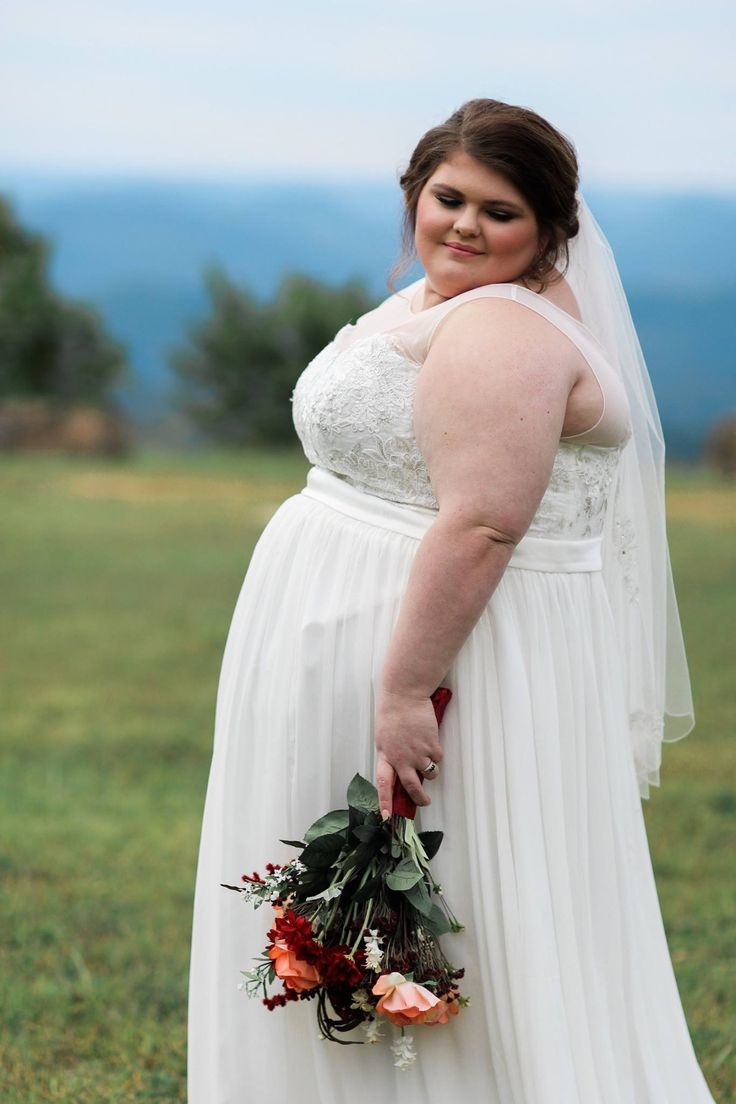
(490, 202)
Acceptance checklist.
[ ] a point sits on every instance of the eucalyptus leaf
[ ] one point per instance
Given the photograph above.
(418, 896)
(336, 821)
(437, 922)
(404, 876)
(366, 833)
(294, 843)
(362, 794)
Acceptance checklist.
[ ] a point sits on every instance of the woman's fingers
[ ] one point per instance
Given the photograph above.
(385, 775)
(412, 785)
(386, 780)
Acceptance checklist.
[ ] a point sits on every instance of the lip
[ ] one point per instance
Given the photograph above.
(465, 250)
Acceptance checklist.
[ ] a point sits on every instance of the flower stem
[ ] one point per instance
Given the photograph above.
(368, 904)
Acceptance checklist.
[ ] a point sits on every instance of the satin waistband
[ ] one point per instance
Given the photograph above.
(532, 553)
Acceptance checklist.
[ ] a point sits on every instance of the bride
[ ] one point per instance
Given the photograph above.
(484, 511)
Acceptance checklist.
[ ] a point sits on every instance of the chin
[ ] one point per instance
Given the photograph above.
(457, 282)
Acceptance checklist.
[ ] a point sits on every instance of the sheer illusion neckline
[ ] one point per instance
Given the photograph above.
(535, 296)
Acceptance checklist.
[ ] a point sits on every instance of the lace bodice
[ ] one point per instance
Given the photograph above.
(353, 411)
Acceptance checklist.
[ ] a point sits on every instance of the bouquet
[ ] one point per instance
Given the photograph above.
(357, 921)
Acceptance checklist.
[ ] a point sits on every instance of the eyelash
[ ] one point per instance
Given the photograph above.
(446, 201)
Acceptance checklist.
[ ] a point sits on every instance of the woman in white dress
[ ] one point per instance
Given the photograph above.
(485, 511)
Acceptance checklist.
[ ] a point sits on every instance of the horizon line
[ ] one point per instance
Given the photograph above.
(40, 174)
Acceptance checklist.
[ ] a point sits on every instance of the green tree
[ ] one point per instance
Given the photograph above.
(237, 374)
(50, 347)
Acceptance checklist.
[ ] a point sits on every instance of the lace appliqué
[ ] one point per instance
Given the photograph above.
(353, 412)
(624, 540)
(576, 499)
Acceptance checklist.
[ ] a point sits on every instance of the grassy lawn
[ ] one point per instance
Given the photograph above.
(119, 580)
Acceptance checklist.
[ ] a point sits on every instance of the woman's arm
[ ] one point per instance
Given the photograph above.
(489, 408)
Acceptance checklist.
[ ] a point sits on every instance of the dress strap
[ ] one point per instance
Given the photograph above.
(429, 320)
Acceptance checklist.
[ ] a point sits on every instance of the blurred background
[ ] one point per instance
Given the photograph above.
(192, 201)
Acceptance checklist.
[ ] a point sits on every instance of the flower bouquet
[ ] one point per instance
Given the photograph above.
(357, 923)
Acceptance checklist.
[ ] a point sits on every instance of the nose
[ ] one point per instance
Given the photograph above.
(466, 224)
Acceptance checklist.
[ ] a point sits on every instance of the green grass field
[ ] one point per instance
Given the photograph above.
(118, 583)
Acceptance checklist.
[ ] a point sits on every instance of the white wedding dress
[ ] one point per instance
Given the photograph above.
(545, 857)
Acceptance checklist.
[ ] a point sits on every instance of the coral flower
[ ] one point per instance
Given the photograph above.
(442, 1011)
(405, 1003)
(294, 972)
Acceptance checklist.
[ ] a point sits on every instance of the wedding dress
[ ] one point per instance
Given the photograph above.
(573, 999)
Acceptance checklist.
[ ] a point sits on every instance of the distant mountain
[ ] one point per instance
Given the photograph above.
(137, 249)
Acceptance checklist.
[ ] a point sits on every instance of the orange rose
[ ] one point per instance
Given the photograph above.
(404, 1002)
(294, 972)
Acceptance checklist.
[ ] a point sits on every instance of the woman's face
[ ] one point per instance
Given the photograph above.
(466, 203)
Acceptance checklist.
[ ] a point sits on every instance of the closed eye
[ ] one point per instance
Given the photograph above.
(500, 216)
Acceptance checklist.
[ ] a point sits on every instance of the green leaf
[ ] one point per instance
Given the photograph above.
(366, 833)
(358, 817)
(370, 889)
(293, 843)
(323, 851)
(363, 795)
(336, 821)
(437, 922)
(314, 881)
(418, 896)
(404, 876)
(431, 842)
(362, 856)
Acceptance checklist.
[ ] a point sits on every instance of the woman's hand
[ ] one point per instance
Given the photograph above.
(406, 737)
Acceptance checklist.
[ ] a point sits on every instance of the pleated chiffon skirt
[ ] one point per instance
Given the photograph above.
(545, 859)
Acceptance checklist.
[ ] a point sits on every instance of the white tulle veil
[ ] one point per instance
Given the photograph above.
(636, 561)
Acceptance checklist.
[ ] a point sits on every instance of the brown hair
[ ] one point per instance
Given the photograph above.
(539, 161)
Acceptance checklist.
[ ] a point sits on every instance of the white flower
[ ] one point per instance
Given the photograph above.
(361, 1001)
(374, 952)
(403, 1050)
(372, 1031)
(248, 976)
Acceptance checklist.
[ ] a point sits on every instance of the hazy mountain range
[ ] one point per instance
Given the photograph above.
(136, 249)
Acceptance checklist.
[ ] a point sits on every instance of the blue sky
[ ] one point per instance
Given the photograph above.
(343, 90)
